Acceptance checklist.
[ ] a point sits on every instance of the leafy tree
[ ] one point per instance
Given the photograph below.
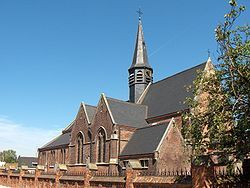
(219, 120)
(8, 156)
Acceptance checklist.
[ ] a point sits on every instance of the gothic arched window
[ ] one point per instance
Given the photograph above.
(101, 145)
(63, 156)
(80, 148)
(90, 146)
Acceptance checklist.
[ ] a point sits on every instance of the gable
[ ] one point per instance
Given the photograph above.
(172, 152)
(168, 95)
(102, 118)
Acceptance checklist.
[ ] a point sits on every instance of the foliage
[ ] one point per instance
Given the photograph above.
(219, 119)
(8, 156)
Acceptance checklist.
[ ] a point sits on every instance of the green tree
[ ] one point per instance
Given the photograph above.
(8, 156)
(219, 119)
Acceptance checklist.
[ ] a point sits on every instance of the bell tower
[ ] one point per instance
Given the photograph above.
(140, 72)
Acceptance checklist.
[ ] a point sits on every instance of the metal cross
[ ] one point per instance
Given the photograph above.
(139, 13)
(208, 52)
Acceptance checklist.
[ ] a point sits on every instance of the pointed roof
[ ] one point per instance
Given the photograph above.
(209, 68)
(140, 58)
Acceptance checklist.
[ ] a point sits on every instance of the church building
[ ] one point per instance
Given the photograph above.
(141, 133)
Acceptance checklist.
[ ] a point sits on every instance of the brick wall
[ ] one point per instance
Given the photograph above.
(102, 119)
(172, 153)
(201, 177)
(80, 126)
(88, 179)
(125, 133)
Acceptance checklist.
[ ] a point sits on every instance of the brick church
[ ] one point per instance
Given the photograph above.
(141, 133)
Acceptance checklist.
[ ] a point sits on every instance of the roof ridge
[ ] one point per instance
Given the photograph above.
(150, 126)
(129, 103)
(26, 157)
(179, 73)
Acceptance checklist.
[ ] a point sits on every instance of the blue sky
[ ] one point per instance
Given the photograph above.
(55, 54)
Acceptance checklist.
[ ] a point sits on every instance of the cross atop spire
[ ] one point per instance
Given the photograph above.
(140, 13)
(208, 52)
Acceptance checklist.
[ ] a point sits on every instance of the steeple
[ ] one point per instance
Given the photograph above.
(140, 58)
(140, 72)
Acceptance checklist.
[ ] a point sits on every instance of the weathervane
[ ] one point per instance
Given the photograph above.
(139, 13)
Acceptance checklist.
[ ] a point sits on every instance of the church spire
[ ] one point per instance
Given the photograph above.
(140, 58)
(140, 72)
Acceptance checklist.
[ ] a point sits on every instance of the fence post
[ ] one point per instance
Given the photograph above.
(8, 177)
(37, 174)
(130, 176)
(2, 179)
(87, 177)
(57, 176)
(21, 178)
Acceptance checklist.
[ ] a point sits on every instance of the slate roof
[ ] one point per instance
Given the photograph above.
(27, 161)
(140, 58)
(90, 111)
(145, 140)
(168, 95)
(126, 113)
(63, 139)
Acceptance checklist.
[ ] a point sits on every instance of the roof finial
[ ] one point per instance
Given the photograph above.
(208, 53)
(139, 13)
(209, 58)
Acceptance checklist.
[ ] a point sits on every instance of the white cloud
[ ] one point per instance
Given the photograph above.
(24, 140)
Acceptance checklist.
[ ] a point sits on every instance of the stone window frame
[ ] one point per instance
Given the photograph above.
(101, 139)
(52, 158)
(90, 146)
(144, 162)
(63, 155)
(80, 149)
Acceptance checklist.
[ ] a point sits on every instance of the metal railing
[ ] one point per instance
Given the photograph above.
(109, 174)
(74, 173)
(228, 172)
(165, 172)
